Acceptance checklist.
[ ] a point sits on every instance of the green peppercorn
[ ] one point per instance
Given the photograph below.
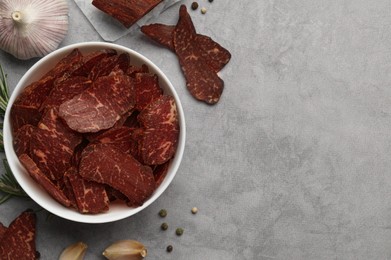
(179, 231)
(169, 248)
(194, 5)
(163, 213)
(164, 226)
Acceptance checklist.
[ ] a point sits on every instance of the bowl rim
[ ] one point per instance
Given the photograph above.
(53, 206)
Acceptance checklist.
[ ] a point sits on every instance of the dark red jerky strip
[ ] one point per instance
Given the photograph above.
(65, 90)
(202, 82)
(147, 89)
(160, 172)
(108, 64)
(67, 187)
(22, 139)
(91, 197)
(68, 64)
(75, 160)
(215, 54)
(160, 33)
(133, 70)
(52, 145)
(100, 106)
(2, 230)
(121, 137)
(126, 12)
(157, 146)
(104, 163)
(115, 194)
(91, 59)
(44, 181)
(157, 143)
(160, 114)
(18, 241)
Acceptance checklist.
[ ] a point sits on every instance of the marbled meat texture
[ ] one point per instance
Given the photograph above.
(44, 181)
(22, 139)
(214, 54)
(18, 241)
(65, 90)
(52, 145)
(100, 106)
(91, 59)
(147, 89)
(108, 64)
(2, 230)
(121, 137)
(203, 83)
(126, 12)
(91, 197)
(104, 163)
(25, 109)
(158, 141)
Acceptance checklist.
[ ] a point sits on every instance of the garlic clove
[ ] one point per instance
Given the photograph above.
(74, 252)
(125, 250)
(31, 29)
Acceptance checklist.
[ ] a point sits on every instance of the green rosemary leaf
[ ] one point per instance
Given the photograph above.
(4, 96)
(8, 183)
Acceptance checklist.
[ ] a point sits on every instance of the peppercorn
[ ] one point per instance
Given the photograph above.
(194, 210)
(203, 10)
(163, 213)
(179, 231)
(169, 248)
(210, 1)
(164, 226)
(194, 5)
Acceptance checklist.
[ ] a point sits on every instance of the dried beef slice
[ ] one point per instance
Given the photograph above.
(127, 12)
(100, 106)
(104, 163)
(18, 240)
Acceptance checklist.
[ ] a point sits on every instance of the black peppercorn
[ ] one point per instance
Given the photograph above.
(169, 248)
(194, 5)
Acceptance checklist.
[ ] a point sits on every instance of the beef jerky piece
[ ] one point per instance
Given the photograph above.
(126, 12)
(159, 140)
(215, 55)
(44, 181)
(147, 89)
(108, 64)
(68, 64)
(91, 197)
(160, 33)
(22, 139)
(133, 70)
(91, 59)
(18, 241)
(2, 230)
(202, 82)
(104, 163)
(25, 109)
(67, 187)
(65, 90)
(75, 160)
(160, 172)
(121, 137)
(52, 145)
(100, 106)
(160, 114)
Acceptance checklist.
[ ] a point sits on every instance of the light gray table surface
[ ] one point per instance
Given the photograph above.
(294, 162)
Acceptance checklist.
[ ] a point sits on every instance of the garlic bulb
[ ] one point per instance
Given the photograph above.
(32, 28)
(125, 250)
(74, 252)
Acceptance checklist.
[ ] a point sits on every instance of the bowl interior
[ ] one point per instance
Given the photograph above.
(117, 211)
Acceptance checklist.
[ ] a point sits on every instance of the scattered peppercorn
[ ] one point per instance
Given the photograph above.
(194, 210)
(164, 226)
(203, 10)
(163, 213)
(169, 248)
(194, 5)
(210, 1)
(179, 231)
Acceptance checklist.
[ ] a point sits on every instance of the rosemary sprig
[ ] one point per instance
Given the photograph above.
(8, 184)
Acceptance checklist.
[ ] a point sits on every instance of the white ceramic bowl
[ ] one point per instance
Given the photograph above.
(39, 195)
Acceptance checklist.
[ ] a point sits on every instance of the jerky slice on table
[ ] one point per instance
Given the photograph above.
(215, 54)
(202, 82)
(42, 180)
(126, 11)
(158, 141)
(104, 163)
(100, 106)
(18, 241)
